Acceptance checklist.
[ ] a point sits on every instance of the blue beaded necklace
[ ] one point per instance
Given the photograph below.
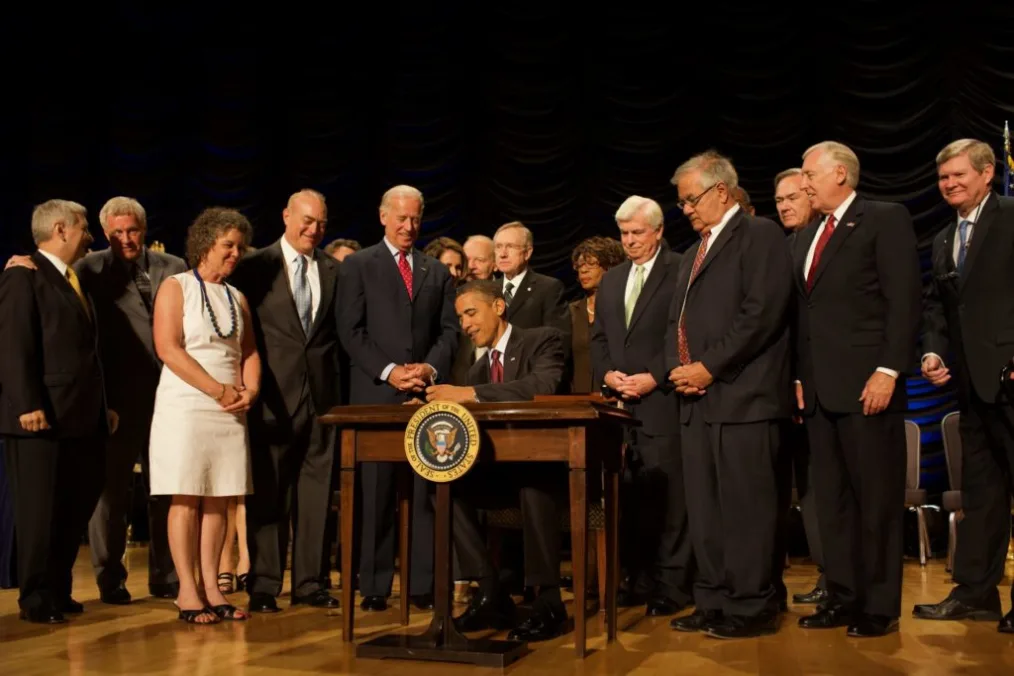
(211, 312)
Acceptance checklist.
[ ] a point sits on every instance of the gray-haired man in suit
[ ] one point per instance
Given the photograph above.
(122, 281)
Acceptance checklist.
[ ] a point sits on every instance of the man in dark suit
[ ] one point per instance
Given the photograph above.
(54, 414)
(628, 355)
(795, 213)
(532, 299)
(123, 281)
(291, 287)
(518, 365)
(398, 326)
(968, 324)
(728, 351)
(856, 271)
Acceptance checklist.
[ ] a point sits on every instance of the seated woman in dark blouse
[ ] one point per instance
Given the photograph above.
(591, 258)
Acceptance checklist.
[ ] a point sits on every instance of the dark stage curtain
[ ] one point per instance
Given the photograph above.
(527, 111)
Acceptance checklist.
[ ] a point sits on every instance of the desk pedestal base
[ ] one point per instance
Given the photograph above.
(485, 653)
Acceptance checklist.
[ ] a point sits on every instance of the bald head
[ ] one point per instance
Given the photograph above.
(479, 255)
(305, 219)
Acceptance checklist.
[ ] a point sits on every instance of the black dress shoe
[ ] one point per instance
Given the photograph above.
(42, 615)
(115, 597)
(869, 626)
(662, 606)
(70, 606)
(628, 599)
(953, 609)
(738, 626)
(546, 622)
(1007, 623)
(263, 603)
(376, 604)
(164, 591)
(318, 599)
(699, 620)
(815, 595)
(422, 601)
(487, 611)
(827, 617)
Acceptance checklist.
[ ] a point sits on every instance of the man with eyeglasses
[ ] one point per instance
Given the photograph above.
(967, 320)
(727, 355)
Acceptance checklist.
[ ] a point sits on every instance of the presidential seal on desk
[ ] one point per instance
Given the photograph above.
(442, 441)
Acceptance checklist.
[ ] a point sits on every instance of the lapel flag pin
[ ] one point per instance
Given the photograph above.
(850, 224)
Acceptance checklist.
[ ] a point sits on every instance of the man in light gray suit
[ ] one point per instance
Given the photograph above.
(123, 280)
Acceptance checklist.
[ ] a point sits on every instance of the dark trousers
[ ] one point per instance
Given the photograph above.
(859, 483)
(537, 486)
(107, 529)
(55, 485)
(794, 467)
(987, 483)
(292, 483)
(732, 499)
(380, 531)
(656, 545)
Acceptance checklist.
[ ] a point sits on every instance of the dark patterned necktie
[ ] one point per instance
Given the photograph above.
(508, 293)
(143, 285)
(682, 345)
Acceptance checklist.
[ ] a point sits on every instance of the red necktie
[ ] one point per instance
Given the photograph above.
(684, 347)
(406, 272)
(821, 243)
(496, 368)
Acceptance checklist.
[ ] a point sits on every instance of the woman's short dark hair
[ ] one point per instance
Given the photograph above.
(211, 224)
(437, 247)
(606, 250)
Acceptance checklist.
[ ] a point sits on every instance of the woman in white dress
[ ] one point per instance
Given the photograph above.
(211, 372)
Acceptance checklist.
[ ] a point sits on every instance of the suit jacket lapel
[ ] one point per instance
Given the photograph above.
(63, 285)
(658, 272)
(478, 373)
(849, 222)
(156, 272)
(989, 213)
(619, 303)
(801, 243)
(723, 238)
(281, 289)
(522, 293)
(420, 268)
(327, 270)
(512, 359)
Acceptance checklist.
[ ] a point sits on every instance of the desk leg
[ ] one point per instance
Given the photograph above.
(405, 477)
(348, 498)
(579, 552)
(612, 487)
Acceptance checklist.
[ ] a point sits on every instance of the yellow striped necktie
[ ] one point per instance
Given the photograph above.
(76, 285)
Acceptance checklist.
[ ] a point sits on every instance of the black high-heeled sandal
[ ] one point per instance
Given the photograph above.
(190, 616)
(227, 611)
(225, 584)
(241, 582)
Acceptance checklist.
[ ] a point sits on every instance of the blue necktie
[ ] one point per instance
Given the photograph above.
(301, 293)
(963, 243)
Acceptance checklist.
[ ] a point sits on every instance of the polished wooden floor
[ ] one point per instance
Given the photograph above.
(146, 638)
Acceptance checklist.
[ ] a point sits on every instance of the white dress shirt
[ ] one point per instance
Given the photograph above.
(290, 256)
(501, 347)
(61, 267)
(647, 271)
(515, 283)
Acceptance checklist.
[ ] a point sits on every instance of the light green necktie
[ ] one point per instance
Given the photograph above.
(635, 292)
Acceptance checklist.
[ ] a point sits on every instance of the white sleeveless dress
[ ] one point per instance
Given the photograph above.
(196, 448)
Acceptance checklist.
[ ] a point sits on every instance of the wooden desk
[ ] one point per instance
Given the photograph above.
(585, 434)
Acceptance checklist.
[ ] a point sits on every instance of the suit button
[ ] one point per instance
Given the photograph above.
(626, 344)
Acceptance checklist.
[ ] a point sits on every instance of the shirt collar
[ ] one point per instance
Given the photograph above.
(60, 266)
(395, 250)
(501, 345)
(839, 213)
(290, 254)
(516, 282)
(973, 215)
(651, 261)
(715, 231)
